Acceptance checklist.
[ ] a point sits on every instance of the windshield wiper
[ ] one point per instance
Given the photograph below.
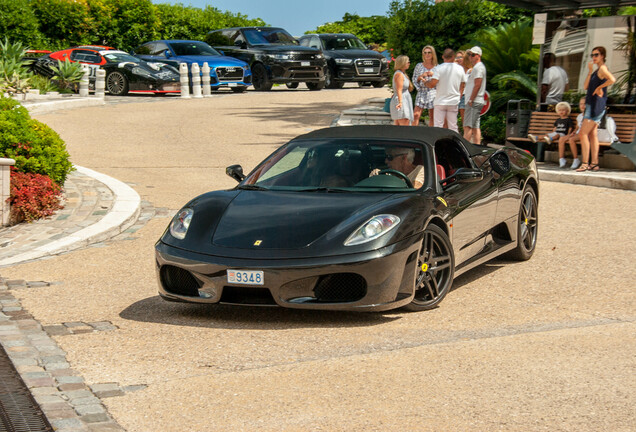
(251, 187)
(323, 189)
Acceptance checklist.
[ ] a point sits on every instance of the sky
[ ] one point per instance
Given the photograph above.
(294, 16)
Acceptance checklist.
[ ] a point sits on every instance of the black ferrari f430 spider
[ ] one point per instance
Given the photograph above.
(353, 218)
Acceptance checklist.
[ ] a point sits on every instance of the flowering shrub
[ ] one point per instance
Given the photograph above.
(35, 147)
(33, 196)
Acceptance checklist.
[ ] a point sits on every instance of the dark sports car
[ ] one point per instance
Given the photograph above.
(326, 222)
(124, 72)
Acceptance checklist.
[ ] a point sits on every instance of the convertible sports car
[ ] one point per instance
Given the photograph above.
(124, 73)
(314, 227)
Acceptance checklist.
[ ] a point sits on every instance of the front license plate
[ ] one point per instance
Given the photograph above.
(305, 64)
(245, 277)
(231, 84)
(368, 70)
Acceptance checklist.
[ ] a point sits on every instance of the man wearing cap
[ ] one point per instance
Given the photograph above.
(474, 96)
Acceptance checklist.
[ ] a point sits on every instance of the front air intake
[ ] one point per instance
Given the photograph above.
(340, 287)
(178, 281)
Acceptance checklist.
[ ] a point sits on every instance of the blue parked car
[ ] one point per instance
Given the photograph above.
(224, 71)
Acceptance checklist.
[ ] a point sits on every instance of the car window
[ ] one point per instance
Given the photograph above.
(339, 42)
(267, 36)
(158, 49)
(343, 164)
(143, 49)
(119, 57)
(85, 56)
(304, 41)
(451, 155)
(315, 42)
(193, 48)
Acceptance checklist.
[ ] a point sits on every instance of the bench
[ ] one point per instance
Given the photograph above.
(542, 123)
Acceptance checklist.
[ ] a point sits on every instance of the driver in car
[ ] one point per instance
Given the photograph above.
(401, 159)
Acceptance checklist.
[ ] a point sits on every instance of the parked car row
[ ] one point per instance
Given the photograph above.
(238, 57)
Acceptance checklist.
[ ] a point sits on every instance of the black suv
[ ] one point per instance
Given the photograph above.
(273, 55)
(348, 60)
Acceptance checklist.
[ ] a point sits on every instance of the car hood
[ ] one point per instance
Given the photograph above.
(275, 49)
(213, 61)
(353, 54)
(285, 220)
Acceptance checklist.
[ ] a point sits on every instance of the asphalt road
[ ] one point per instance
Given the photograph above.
(546, 344)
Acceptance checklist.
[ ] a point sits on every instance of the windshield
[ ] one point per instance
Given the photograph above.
(341, 165)
(193, 48)
(269, 36)
(119, 57)
(341, 43)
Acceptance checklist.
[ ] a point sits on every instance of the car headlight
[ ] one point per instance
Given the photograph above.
(181, 222)
(155, 66)
(141, 72)
(344, 61)
(319, 56)
(280, 56)
(384, 60)
(372, 229)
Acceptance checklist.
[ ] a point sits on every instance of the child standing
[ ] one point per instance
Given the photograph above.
(572, 139)
(563, 128)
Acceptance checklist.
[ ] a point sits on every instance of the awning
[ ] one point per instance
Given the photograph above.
(562, 5)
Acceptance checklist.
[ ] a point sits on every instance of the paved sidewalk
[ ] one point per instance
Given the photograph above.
(96, 207)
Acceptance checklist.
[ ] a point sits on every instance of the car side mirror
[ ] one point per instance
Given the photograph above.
(240, 44)
(167, 53)
(500, 162)
(469, 175)
(221, 52)
(236, 172)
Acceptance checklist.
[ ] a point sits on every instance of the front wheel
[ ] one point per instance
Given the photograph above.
(117, 84)
(330, 82)
(528, 226)
(436, 266)
(260, 80)
(314, 86)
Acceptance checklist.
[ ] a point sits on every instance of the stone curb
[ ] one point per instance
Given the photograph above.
(54, 105)
(122, 215)
(603, 178)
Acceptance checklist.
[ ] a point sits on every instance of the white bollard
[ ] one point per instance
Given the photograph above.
(185, 82)
(196, 80)
(205, 79)
(100, 83)
(83, 89)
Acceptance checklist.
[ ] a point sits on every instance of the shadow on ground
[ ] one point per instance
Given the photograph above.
(156, 310)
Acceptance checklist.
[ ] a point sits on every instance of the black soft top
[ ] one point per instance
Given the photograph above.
(423, 134)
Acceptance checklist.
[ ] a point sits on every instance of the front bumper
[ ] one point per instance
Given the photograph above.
(371, 281)
(296, 71)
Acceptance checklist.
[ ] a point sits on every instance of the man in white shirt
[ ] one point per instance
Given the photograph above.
(449, 79)
(555, 81)
(474, 96)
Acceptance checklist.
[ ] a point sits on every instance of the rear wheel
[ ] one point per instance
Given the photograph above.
(436, 267)
(117, 83)
(528, 226)
(314, 86)
(260, 80)
(292, 85)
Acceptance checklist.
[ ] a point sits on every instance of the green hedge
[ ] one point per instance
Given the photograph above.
(35, 147)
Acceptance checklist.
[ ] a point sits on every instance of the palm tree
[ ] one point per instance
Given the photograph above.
(511, 60)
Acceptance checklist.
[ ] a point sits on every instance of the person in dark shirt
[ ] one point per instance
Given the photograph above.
(563, 127)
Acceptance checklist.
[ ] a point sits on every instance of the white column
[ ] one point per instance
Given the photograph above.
(185, 82)
(196, 80)
(83, 90)
(5, 189)
(100, 83)
(205, 79)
